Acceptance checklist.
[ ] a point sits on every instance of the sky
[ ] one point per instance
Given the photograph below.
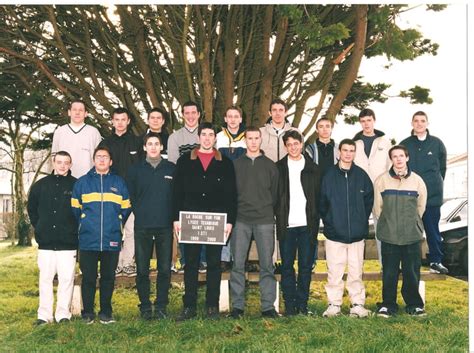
(445, 75)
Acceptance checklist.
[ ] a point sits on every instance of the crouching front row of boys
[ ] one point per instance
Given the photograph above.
(252, 191)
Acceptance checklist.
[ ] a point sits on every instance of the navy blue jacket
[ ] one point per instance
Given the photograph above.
(346, 202)
(101, 205)
(151, 194)
(428, 160)
(49, 208)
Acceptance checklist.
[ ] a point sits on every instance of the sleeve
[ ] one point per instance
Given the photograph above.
(422, 197)
(274, 185)
(55, 146)
(317, 188)
(368, 196)
(76, 200)
(231, 194)
(442, 159)
(378, 200)
(131, 185)
(323, 198)
(97, 138)
(125, 208)
(178, 191)
(173, 149)
(33, 203)
(310, 150)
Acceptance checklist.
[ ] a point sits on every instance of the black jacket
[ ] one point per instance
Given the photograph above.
(197, 190)
(49, 209)
(346, 202)
(311, 182)
(126, 150)
(151, 194)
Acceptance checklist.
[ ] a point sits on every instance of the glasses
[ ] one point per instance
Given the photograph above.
(104, 158)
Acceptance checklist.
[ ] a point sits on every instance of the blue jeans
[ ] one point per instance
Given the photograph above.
(433, 237)
(410, 258)
(296, 293)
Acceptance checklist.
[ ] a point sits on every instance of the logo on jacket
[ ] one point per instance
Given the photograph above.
(430, 153)
(113, 189)
(168, 177)
(133, 152)
(114, 244)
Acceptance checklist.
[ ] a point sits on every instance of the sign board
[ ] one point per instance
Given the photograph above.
(202, 228)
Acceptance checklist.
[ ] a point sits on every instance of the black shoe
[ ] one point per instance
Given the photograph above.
(146, 315)
(40, 322)
(304, 311)
(186, 314)
(290, 311)
(277, 268)
(226, 266)
(270, 314)
(416, 311)
(64, 320)
(212, 312)
(88, 320)
(438, 268)
(160, 314)
(236, 313)
(106, 319)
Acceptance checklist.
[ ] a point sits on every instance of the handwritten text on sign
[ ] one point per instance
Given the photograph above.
(202, 227)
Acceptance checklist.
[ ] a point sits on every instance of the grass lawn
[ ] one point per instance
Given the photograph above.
(445, 329)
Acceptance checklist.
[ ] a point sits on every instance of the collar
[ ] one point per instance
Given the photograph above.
(217, 154)
(394, 175)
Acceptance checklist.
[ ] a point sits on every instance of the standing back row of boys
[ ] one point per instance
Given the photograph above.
(254, 192)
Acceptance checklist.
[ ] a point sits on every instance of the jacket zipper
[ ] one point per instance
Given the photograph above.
(348, 208)
(101, 213)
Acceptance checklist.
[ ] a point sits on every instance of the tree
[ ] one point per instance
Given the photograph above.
(149, 55)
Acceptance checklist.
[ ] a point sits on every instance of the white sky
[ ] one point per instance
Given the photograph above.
(445, 75)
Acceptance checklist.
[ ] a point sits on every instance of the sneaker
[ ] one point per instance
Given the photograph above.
(304, 311)
(202, 268)
(119, 271)
(438, 268)
(186, 314)
(160, 314)
(105, 319)
(277, 268)
(226, 266)
(88, 320)
(384, 312)
(146, 315)
(290, 311)
(130, 270)
(40, 322)
(416, 312)
(358, 310)
(332, 310)
(174, 269)
(270, 314)
(212, 312)
(181, 269)
(64, 320)
(236, 313)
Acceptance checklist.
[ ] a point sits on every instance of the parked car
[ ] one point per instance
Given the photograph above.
(453, 227)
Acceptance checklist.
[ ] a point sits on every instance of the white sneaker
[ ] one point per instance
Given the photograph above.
(332, 310)
(358, 310)
(119, 271)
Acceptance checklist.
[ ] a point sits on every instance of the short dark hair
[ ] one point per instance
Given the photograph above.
(76, 100)
(294, 134)
(397, 147)
(206, 125)
(366, 112)
(62, 153)
(151, 134)
(102, 148)
(324, 119)
(160, 110)
(252, 128)
(346, 142)
(190, 104)
(278, 101)
(121, 110)
(420, 112)
(233, 107)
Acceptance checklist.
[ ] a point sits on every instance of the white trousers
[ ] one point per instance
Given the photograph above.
(338, 255)
(127, 253)
(50, 263)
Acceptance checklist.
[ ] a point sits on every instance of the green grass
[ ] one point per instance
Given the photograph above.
(445, 329)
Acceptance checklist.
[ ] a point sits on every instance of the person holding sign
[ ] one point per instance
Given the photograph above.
(204, 181)
(150, 186)
(257, 186)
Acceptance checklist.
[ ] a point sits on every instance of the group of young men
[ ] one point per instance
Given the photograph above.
(131, 190)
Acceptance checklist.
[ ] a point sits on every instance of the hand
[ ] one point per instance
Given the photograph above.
(177, 228)
(228, 231)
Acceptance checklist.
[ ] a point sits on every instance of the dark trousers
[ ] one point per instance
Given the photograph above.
(213, 277)
(296, 293)
(433, 237)
(88, 263)
(182, 261)
(410, 258)
(162, 240)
